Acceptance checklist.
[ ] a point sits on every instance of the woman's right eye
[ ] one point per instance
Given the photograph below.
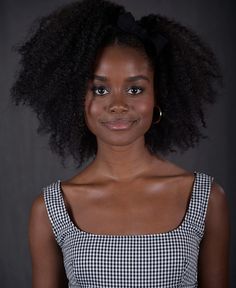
(99, 90)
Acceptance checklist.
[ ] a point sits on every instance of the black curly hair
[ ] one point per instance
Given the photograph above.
(57, 61)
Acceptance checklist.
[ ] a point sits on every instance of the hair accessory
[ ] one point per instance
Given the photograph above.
(127, 22)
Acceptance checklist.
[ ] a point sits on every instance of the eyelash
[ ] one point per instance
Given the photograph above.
(94, 88)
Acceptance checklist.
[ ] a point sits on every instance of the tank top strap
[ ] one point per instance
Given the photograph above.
(198, 204)
(56, 210)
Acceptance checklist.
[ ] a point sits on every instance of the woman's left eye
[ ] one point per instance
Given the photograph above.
(136, 90)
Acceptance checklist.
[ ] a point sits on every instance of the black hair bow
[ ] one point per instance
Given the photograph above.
(126, 22)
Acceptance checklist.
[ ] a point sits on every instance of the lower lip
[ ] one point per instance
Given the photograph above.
(119, 125)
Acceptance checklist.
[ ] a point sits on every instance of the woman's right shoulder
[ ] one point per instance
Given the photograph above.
(38, 205)
(38, 215)
(38, 202)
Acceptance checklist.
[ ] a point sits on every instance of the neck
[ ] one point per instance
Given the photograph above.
(122, 163)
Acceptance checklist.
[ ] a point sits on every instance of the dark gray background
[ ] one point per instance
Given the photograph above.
(26, 161)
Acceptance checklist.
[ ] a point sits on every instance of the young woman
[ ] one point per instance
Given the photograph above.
(123, 94)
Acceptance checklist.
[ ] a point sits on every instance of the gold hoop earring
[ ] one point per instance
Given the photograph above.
(160, 114)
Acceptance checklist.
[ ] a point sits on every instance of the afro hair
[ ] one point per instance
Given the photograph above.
(58, 58)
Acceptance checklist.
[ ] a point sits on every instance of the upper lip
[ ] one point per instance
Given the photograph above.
(114, 120)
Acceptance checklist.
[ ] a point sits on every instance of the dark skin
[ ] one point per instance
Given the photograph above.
(126, 187)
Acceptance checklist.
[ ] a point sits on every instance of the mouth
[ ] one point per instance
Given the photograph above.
(121, 124)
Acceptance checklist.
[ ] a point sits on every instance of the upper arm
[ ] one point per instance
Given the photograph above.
(214, 247)
(47, 261)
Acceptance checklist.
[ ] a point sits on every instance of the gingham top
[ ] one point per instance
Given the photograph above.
(150, 260)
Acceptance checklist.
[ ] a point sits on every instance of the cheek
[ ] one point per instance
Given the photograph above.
(92, 111)
(146, 108)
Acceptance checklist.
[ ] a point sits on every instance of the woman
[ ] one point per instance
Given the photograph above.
(124, 93)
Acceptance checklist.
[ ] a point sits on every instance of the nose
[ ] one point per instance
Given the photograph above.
(118, 108)
(118, 104)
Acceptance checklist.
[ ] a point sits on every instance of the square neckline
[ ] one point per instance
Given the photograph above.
(77, 229)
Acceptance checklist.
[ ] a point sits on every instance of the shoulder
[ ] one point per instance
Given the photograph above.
(40, 212)
(38, 215)
(217, 191)
(217, 199)
(217, 216)
(38, 204)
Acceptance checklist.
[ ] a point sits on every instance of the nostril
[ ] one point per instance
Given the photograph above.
(120, 106)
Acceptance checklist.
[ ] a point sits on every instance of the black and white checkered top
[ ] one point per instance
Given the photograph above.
(150, 260)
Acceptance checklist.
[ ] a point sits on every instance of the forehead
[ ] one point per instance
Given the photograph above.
(126, 60)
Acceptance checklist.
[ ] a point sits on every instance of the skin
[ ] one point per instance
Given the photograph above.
(126, 187)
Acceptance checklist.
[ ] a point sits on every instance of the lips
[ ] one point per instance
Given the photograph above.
(120, 124)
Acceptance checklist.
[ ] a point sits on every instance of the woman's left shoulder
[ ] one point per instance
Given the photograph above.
(218, 197)
(217, 211)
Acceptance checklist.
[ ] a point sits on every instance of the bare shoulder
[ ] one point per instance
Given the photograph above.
(217, 200)
(217, 216)
(217, 191)
(38, 205)
(38, 216)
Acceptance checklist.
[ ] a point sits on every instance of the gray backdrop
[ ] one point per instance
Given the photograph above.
(26, 161)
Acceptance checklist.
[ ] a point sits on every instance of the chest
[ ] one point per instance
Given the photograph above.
(147, 207)
(164, 260)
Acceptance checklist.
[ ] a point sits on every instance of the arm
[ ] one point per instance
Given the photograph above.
(214, 248)
(47, 262)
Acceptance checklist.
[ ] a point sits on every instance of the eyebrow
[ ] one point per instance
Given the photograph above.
(129, 79)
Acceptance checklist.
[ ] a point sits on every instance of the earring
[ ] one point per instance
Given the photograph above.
(160, 114)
